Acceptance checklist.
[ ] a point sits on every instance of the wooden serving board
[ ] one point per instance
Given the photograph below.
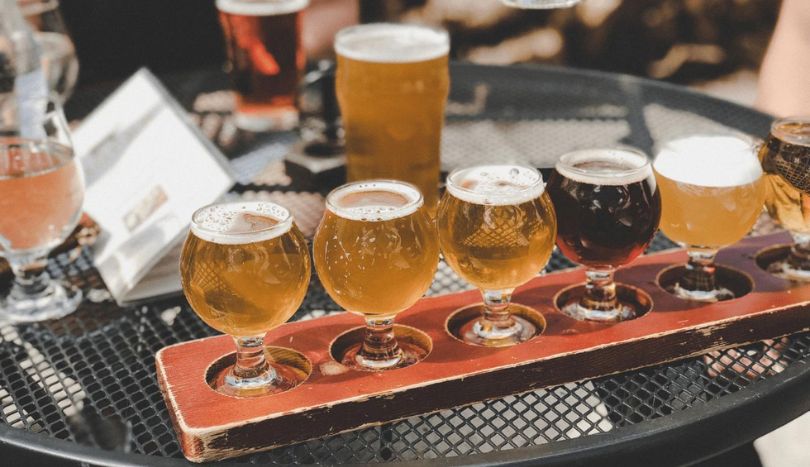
(211, 426)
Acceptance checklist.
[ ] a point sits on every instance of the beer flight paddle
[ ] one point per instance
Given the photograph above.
(333, 398)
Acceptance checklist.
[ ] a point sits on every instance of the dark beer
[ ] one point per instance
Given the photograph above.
(608, 207)
(263, 41)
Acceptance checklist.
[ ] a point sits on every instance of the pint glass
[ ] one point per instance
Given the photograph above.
(266, 59)
(392, 84)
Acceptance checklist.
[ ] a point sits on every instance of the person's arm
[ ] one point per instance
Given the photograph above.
(784, 80)
(322, 20)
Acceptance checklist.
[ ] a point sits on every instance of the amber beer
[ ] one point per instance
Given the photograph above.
(392, 84)
(245, 267)
(785, 157)
(496, 231)
(376, 249)
(376, 252)
(712, 192)
(263, 42)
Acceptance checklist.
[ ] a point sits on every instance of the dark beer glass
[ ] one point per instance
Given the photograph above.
(785, 158)
(263, 41)
(608, 208)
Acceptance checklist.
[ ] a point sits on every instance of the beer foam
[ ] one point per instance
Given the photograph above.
(374, 200)
(604, 166)
(261, 7)
(240, 222)
(496, 185)
(392, 43)
(710, 161)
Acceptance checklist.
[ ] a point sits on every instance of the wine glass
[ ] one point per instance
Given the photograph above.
(41, 195)
(59, 62)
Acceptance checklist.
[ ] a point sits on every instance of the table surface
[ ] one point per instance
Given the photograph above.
(71, 387)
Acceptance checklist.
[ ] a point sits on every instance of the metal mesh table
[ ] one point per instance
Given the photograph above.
(98, 364)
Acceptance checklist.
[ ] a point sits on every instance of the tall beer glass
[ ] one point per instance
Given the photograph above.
(392, 84)
(41, 195)
(266, 59)
(245, 269)
(712, 192)
(608, 209)
(785, 158)
(376, 253)
(496, 230)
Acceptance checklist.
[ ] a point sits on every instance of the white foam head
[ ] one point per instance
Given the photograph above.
(710, 161)
(239, 223)
(496, 185)
(261, 7)
(392, 43)
(793, 130)
(374, 200)
(612, 166)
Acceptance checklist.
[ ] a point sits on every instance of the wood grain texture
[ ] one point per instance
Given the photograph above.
(211, 426)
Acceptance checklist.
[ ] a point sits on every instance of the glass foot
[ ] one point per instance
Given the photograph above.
(785, 270)
(474, 332)
(55, 302)
(622, 312)
(710, 296)
(278, 378)
(407, 355)
(281, 119)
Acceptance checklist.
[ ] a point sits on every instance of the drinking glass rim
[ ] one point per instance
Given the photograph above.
(537, 185)
(619, 173)
(283, 224)
(790, 119)
(410, 207)
(370, 26)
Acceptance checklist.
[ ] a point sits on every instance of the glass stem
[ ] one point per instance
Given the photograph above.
(380, 344)
(31, 281)
(700, 271)
(250, 359)
(496, 314)
(600, 290)
(800, 251)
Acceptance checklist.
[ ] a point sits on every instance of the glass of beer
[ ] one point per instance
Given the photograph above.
(712, 192)
(785, 158)
(496, 230)
(392, 84)
(266, 60)
(376, 252)
(608, 209)
(245, 269)
(41, 195)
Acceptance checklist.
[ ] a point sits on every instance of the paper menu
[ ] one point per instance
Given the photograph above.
(147, 170)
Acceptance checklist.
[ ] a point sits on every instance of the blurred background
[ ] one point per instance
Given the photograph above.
(713, 44)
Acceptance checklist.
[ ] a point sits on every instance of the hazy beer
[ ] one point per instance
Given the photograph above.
(41, 194)
(608, 208)
(496, 230)
(376, 252)
(263, 41)
(785, 157)
(392, 84)
(712, 192)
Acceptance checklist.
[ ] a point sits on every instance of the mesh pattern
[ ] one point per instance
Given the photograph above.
(101, 359)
